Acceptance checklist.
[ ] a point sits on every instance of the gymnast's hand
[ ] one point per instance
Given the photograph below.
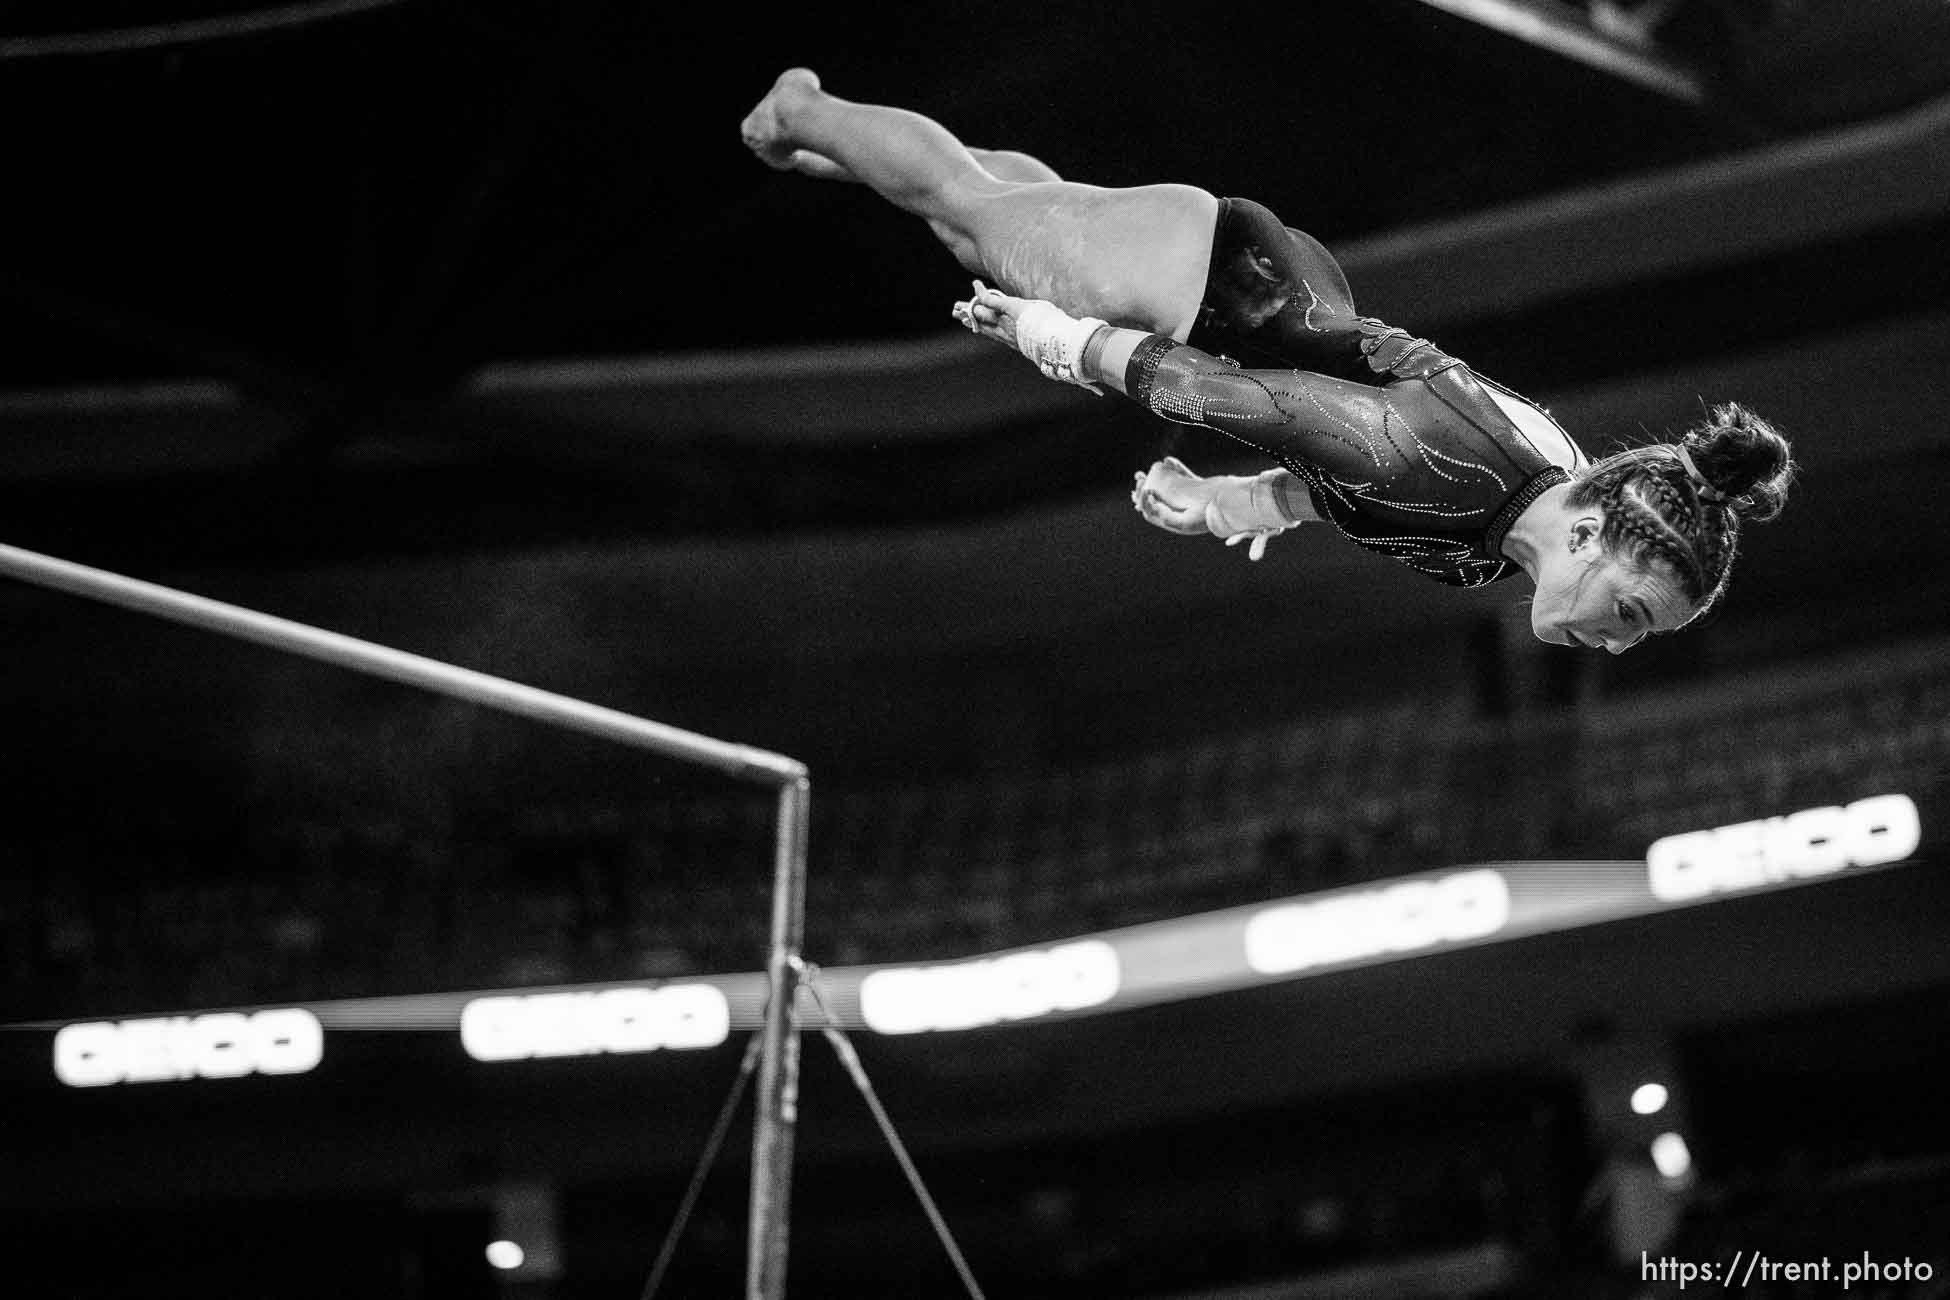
(1173, 498)
(1049, 336)
(1229, 506)
(992, 314)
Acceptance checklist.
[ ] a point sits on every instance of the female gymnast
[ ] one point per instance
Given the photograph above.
(1227, 319)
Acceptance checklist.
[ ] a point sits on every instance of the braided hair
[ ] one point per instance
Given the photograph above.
(1682, 504)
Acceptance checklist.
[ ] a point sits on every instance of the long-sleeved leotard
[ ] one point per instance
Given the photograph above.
(1405, 449)
(1428, 465)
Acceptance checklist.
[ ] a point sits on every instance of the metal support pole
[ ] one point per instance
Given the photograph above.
(778, 1077)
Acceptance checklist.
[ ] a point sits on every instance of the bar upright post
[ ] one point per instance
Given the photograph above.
(778, 1071)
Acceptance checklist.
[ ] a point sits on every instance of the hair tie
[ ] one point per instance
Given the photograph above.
(1707, 492)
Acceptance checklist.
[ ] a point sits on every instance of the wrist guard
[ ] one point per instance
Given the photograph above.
(1054, 340)
(1247, 510)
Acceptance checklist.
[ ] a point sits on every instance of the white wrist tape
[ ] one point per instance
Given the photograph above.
(1246, 510)
(1054, 340)
(1246, 505)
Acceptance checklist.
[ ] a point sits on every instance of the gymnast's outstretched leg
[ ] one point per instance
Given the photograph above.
(1137, 256)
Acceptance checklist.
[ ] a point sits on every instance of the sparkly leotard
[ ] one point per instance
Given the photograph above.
(1405, 449)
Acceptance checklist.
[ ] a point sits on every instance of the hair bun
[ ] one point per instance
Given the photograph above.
(1744, 457)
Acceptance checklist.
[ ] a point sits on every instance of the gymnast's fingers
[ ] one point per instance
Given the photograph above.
(995, 300)
(1169, 515)
(1257, 546)
(1170, 479)
(1171, 473)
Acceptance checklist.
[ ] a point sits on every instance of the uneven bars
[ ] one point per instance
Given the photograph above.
(778, 1086)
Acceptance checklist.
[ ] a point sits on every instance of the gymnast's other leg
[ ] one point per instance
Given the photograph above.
(1136, 256)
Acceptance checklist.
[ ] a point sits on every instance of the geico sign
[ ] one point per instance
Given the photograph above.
(585, 1024)
(1811, 843)
(966, 995)
(221, 1045)
(1399, 918)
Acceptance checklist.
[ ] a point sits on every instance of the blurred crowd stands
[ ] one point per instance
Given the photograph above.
(101, 919)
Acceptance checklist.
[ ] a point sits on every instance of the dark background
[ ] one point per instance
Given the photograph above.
(474, 330)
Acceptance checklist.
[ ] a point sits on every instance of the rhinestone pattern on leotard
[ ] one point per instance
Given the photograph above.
(1421, 466)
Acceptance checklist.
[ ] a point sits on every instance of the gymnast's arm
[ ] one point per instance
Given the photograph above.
(1297, 417)
(1236, 508)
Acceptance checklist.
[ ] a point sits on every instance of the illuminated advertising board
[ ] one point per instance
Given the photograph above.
(1143, 965)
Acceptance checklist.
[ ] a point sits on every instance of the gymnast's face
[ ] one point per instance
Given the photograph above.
(1587, 596)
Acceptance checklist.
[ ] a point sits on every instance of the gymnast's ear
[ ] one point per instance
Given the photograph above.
(1586, 530)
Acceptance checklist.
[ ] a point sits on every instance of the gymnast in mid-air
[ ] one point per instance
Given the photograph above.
(1211, 312)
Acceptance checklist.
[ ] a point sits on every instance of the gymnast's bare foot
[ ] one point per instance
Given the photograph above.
(765, 134)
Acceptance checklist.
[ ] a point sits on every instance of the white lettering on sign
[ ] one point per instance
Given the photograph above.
(220, 1045)
(968, 995)
(1412, 915)
(1815, 842)
(517, 1027)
